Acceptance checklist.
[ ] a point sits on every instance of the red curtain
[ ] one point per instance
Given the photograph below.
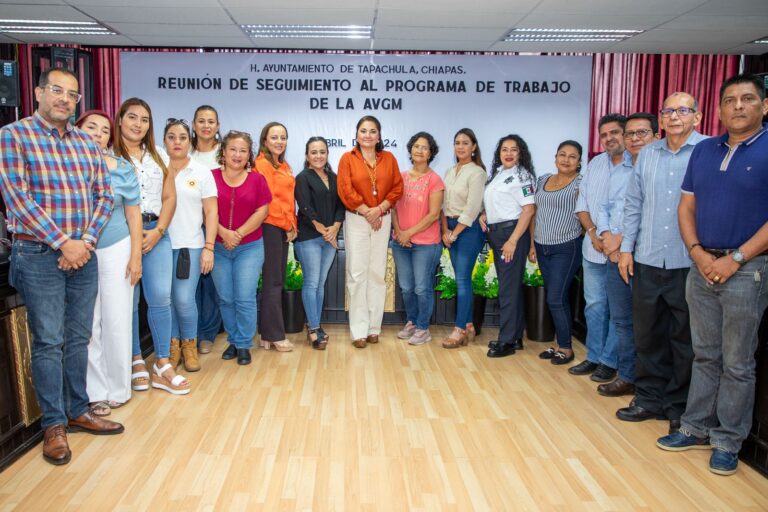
(627, 83)
(623, 83)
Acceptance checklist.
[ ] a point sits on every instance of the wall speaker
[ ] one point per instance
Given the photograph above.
(9, 84)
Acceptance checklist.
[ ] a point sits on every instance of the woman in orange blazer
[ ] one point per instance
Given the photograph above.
(369, 184)
(279, 229)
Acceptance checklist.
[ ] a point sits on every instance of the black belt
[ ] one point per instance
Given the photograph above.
(148, 217)
(719, 253)
(502, 225)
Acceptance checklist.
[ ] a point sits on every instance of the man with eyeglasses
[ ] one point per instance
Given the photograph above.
(637, 132)
(602, 358)
(659, 267)
(724, 223)
(57, 192)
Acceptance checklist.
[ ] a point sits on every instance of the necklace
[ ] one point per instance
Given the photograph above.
(372, 176)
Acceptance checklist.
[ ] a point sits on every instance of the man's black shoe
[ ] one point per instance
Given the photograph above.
(501, 350)
(243, 356)
(603, 373)
(517, 344)
(230, 353)
(583, 368)
(637, 413)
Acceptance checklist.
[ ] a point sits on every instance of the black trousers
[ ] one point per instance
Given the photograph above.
(511, 312)
(662, 339)
(273, 278)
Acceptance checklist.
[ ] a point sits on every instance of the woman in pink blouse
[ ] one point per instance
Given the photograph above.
(416, 237)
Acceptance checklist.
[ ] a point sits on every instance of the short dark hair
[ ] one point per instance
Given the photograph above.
(433, 147)
(43, 80)
(648, 117)
(380, 144)
(612, 118)
(575, 145)
(744, 78)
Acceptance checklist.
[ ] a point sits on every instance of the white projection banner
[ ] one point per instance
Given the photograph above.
(544, 99)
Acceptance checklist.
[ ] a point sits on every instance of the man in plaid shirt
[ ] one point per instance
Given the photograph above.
(57, 193)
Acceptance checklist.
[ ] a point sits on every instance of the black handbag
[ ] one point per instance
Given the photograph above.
(183, 264)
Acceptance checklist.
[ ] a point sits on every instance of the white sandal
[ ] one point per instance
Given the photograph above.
(172, 386)
(143, 374)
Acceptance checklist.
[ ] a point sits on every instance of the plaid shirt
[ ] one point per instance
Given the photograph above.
(56, 186)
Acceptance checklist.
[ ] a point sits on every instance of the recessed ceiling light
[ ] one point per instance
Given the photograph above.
(53, 27)
(762, 41)
(569, 35)
(308, 31)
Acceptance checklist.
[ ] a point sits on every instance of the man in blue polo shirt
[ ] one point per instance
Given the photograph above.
(723, 217)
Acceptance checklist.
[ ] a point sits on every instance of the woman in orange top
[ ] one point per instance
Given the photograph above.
(369, 184)
(279, 229)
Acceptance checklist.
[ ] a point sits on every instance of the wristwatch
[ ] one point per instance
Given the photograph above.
(738, 257)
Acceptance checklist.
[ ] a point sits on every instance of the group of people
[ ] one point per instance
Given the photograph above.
(200, 220)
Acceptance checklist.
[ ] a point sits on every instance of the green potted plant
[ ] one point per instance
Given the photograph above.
(538, 320)
(293, 307)
(485, 285)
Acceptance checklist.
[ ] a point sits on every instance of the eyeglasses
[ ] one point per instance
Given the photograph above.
(641, 134)
(682, 111)
(173, 120)
(59, 92)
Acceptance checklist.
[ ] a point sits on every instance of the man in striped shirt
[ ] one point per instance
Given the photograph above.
(57, 193)
(660, 266)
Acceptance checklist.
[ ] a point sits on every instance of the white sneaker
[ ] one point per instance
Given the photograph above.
(407, 331)
(420, 337)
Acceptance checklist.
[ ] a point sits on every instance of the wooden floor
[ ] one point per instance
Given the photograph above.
(391, 428)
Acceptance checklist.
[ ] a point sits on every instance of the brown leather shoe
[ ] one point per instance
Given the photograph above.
(360, 343)
(189, 353)
(616, 388)
(175, 356)
(55, 446)
(92, 424)
(372, 338)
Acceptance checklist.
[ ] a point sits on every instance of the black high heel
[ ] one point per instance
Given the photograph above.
(321, 338)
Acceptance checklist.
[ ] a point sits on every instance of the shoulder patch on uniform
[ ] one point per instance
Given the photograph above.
(527, 190)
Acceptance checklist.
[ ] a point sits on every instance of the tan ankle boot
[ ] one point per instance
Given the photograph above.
(175, 356)
(189, 351)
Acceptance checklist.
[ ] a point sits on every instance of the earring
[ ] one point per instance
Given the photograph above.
(473, 154)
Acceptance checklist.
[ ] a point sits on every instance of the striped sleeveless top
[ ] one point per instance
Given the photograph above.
(556, 222)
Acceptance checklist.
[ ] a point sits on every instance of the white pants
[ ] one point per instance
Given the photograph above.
(366, 253)
(109, 351)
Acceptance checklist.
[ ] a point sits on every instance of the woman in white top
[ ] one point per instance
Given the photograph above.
(206, 138)
(192, 247)
(509, 208)
(206, 143)
(135, 141)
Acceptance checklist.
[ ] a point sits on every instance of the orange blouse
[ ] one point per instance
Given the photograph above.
(355, 185)
(282, 209)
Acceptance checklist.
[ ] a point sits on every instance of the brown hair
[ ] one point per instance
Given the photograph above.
(95, 112)
(119, 147)
(263, 145)
(229, 137)
(380, 144)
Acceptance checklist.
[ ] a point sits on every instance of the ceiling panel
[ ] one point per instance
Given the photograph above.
(431, 45)
(717, 23)
(734, 7)
(588, 47)
(189, 4)
(200, 15)
(423, 18)
(698, 36)
(77, 39)
(594, 21)
(43, 12)
(749, 49)
(621, 8)
(299, 44)
(301, 4)
(460, 6)
(194, 41)
(250, 16)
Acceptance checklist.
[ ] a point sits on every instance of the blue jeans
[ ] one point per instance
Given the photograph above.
(602, 342)
(416, 269)
(559, 263)
(316, 257)
(208, 314)
(156, 283)
(724, 322)
(236, 274)
(184, 305)
(464, 253)
(620, 306)
(60, 317)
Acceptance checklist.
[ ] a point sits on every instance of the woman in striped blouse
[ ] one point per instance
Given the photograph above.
(557, 235)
